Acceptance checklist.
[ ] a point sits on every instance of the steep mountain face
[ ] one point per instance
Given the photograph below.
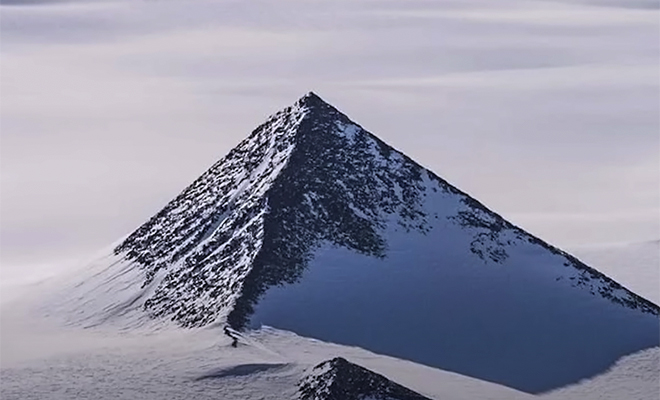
(338, 379)
(306, 176)
(203, 244)
(312, 224)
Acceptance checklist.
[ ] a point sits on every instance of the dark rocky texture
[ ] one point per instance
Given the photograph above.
(308, 175)
(338, 379)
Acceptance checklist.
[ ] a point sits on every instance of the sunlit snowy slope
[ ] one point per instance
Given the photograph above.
(633, 377)
(314, 225)
(47, 362)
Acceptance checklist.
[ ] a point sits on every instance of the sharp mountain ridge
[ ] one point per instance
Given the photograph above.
(307, 175)
(314, 225)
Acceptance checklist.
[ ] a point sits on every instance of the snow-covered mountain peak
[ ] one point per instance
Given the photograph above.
(306, 176)
(308, 160)
(313, 224)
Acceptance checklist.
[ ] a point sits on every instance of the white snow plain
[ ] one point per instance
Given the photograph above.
(44, 361)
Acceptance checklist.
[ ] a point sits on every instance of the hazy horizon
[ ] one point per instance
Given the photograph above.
(547, 112)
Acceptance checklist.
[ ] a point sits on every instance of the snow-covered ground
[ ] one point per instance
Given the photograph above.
(636, 376)
(42, 360)
(45, 362)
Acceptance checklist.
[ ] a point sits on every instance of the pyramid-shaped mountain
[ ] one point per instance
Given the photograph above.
(313, 224)
(339, 379)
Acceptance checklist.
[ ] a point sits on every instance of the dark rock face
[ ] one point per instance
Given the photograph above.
(204, 241)
(338, 379)
(306, 176)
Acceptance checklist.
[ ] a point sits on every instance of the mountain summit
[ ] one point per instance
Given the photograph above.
(313, 224)
(338, 379)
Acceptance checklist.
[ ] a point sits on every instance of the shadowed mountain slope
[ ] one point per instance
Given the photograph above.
(313, 224)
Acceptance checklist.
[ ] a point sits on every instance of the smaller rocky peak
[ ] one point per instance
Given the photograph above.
(339, 379)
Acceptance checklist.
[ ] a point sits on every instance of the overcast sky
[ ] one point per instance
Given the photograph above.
(548, 112)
